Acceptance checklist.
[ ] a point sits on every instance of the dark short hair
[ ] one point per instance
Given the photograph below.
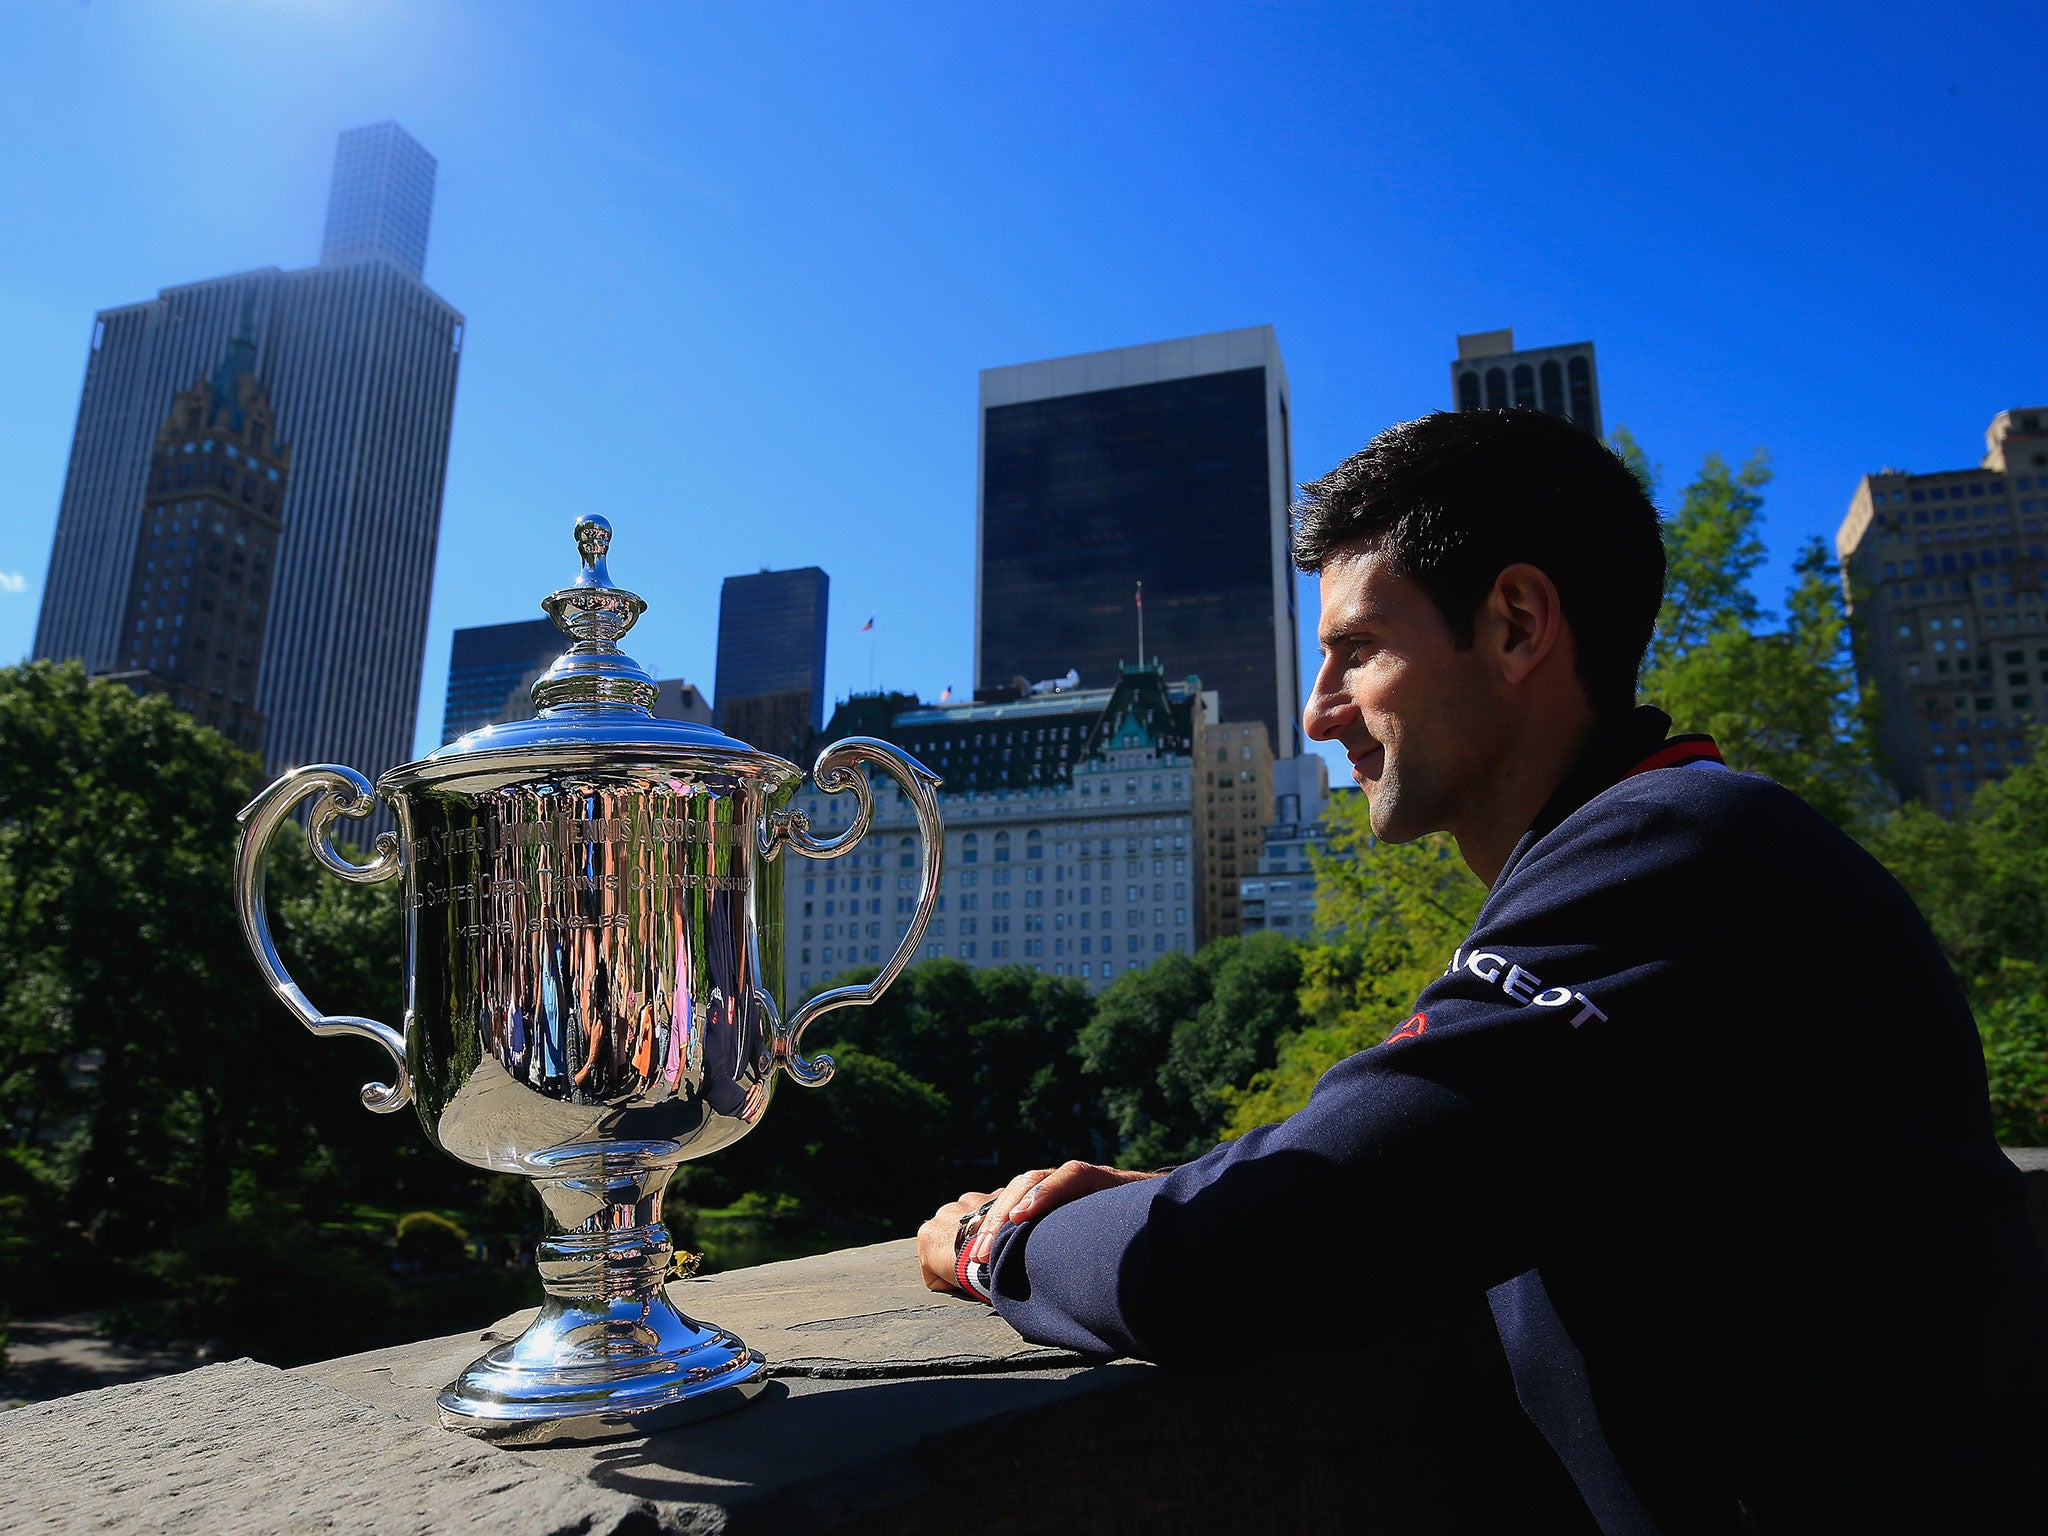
(1454, 498)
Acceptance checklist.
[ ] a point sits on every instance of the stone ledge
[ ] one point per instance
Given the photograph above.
(891, 1411)
(242, 1449)
(892, 1407)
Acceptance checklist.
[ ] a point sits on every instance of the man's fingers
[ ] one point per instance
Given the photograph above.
(1005, 1198)
(1024, 1198)
(1068, 1182)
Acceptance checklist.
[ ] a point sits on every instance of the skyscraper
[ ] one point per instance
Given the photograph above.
(770, 688)
(381, 199)
(199, 585)
(492, 668)
(1165, 464)
(1947, 576)
(360, 360)
(1490, 374)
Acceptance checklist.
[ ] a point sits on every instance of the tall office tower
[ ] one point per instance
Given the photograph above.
(491, 672)
(199, 583)
(1165, 464)
(1945, 578)
(381, 200)
(360, 359)
(770, 687)
(1491, 375)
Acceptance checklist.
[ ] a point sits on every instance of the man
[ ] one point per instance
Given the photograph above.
(1698, 1103)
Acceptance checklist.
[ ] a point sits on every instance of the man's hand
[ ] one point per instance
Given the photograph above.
(1024, 1198)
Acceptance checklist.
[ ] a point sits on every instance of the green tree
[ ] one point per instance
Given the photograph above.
(149, 1082)
(1982, 881)
(122, 976)
(1168, 1044)
(1783, 702)
(954, 1078)
(998, 1045)
(860, 1157)
(1391, 915)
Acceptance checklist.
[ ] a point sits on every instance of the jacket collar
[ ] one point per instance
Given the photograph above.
(1637, 742)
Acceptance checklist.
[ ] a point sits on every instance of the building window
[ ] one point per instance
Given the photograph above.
(1553, 388)
(1580, 374)
(1468, 390)
(1525, 386)
(1496, 389)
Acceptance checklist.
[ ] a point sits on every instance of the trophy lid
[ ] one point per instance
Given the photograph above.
(595, 698)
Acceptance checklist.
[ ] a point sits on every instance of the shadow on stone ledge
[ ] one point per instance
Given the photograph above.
(894, 1409)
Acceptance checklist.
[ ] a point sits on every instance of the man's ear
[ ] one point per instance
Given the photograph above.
(1527, 621)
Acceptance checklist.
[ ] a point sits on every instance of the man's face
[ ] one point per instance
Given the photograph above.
(1416, 715)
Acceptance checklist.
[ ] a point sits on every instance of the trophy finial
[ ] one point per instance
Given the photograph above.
(593, 613)
(593, 538)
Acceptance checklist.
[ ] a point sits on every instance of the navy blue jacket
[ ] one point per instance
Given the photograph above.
(1702, 1108)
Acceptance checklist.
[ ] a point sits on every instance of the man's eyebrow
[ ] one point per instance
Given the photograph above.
(1346, 621)
(1345, 627)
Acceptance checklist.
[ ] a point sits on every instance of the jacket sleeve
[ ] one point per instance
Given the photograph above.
(1438, 1159)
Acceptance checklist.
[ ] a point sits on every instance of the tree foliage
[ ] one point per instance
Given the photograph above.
(954, 1078)
(1982, 881)
(152, 1091)
(1167, 1045)
(1782, 701)
(1391, 915)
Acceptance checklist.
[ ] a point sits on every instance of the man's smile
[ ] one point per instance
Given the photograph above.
(1367, 762)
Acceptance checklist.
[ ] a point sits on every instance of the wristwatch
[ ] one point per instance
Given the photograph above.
(970, 1223)
(967, 1275)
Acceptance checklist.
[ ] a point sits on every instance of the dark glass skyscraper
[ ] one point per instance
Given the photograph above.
(770, 688)
(360, 359)
(489, 668)
(1167, 465)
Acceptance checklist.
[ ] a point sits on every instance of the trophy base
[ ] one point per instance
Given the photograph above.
(579, 1375)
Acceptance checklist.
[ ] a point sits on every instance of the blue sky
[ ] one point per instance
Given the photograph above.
(730, 272)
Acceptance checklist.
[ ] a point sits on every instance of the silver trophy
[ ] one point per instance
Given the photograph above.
(593, 958)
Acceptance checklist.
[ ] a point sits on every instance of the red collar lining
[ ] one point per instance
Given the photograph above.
(1677, 752)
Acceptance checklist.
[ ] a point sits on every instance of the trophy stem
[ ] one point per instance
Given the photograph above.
(609, 1354)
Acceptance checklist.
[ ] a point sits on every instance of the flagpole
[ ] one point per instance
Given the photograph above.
(1141, 623)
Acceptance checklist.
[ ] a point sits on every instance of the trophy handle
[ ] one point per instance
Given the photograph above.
(837, 769)
(342, 792)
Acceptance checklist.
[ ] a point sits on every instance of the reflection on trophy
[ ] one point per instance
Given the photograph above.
(593, 944)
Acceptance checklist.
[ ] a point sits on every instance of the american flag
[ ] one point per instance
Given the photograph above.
(869, 625)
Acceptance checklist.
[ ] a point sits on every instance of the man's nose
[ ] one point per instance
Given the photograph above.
(1328, 710)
